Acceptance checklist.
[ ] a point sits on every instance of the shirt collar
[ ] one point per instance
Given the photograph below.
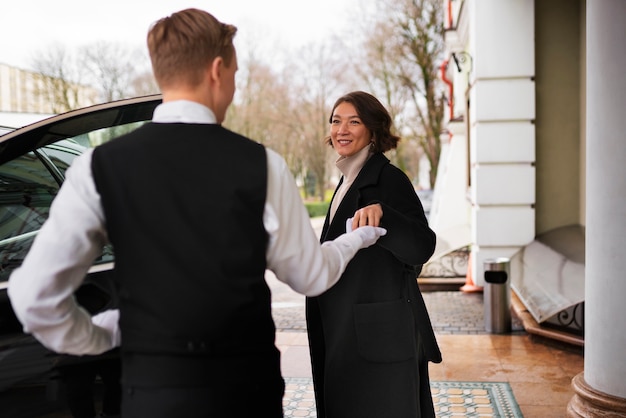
(183, 111)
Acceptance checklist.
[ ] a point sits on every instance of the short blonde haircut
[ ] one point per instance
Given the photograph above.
(183, 44)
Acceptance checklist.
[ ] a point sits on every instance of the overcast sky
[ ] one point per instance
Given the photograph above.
(28, 26)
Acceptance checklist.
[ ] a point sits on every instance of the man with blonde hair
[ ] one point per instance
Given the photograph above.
(195, 325)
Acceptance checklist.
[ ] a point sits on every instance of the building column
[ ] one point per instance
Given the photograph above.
(600, 391)
(502, 133)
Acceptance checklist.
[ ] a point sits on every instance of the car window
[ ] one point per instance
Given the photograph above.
(62, 153)
(29, 183)
(101, 136)
(26, 191)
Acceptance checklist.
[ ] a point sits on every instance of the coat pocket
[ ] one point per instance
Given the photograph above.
(385, 331)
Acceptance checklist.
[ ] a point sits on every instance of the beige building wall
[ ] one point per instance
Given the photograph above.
(21, 92)
(583, 112)
(559, 127)
(18, 91)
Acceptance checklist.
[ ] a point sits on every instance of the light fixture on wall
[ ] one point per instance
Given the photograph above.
(463, 61)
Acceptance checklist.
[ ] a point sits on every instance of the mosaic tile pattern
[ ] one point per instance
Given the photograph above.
(474, 399)
(451, 399)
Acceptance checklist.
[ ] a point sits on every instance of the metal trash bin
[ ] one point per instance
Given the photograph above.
(497, 295)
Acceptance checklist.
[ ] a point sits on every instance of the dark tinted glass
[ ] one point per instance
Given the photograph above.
(62, 154)
(26, 192)
(27, 189)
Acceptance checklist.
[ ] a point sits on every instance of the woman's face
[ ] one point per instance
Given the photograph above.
(347, 132)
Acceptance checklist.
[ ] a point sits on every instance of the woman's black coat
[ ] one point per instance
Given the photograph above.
(370, 335)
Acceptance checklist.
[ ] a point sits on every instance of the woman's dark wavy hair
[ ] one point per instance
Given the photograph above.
(374, 116)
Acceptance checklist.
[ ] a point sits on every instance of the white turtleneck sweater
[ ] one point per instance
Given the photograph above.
(350, 167)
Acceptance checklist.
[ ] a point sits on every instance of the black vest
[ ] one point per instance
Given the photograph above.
(184, 205)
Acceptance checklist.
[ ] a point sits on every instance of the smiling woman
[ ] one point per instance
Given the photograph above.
(370, 333)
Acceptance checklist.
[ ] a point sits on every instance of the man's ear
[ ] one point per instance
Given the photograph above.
(216, 69)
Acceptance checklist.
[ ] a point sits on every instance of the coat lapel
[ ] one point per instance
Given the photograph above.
(368, 176)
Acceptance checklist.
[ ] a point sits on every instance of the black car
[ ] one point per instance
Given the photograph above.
(33, 160)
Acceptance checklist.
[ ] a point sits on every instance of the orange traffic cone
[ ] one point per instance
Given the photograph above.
(469, 285)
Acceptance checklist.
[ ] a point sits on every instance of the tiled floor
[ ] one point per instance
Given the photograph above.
(539, 374)
(474, 400)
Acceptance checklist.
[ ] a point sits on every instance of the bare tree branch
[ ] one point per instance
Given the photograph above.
(402, 57)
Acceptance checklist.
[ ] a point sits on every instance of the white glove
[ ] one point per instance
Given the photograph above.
(369, 234)
(109, 320)
(349, 225)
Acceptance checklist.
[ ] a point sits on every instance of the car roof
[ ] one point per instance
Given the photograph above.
(76, 122)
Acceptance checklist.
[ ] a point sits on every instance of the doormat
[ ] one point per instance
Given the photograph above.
(451, 399)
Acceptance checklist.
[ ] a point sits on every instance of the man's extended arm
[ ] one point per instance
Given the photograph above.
(294, 253)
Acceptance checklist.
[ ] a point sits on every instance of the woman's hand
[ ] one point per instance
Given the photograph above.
(368, 215)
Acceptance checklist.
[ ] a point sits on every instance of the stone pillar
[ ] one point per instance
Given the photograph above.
(600, 391)
(502, 133)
